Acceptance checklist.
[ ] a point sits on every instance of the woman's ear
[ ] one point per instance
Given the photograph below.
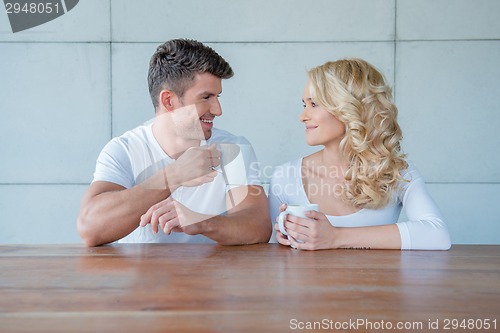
(166, 100)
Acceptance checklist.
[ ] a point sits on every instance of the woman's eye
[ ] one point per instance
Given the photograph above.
(313, 104)
(304, 105)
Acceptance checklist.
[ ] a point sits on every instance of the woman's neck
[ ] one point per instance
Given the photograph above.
(332, 156)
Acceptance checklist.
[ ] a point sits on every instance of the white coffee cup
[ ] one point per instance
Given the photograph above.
(295, 210)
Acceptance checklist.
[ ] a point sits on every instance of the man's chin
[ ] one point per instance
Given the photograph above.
(207, 134)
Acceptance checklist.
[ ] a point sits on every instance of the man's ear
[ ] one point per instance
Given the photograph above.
(166, 99)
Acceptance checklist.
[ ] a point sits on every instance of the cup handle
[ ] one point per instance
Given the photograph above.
(281, 222)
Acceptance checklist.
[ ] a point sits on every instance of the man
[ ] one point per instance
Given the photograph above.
(167, 176)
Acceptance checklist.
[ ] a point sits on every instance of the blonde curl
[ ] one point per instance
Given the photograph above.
(355, 92)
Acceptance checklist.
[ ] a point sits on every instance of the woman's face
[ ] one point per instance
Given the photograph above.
(322, 128)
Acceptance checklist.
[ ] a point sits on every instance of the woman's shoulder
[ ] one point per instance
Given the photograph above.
(291, 163)
(411, 178)
(287, 169)
(411, 172)
(294, 167)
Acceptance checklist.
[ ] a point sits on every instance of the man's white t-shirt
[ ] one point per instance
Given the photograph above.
(135, 156)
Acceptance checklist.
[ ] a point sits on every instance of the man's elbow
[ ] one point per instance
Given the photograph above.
(268, 231)
(265, 229)
(89, 238)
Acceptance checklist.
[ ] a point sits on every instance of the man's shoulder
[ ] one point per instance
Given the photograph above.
(140, 133)
(132, 140)
(219, 135)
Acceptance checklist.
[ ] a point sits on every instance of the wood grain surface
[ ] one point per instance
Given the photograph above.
(255, 288)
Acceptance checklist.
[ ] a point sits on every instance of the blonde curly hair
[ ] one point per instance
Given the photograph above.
(355, 92)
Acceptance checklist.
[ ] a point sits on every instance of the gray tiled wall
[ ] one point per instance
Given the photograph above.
(68, 86)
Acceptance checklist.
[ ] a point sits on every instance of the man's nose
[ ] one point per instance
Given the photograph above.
(215, 108)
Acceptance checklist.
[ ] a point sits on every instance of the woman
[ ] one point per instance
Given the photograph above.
(360, 179)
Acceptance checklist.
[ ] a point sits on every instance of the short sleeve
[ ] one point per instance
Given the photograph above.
(113, 165)
(239, 162)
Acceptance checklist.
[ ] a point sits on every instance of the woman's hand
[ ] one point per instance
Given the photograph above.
(282, 239)
(311, 233)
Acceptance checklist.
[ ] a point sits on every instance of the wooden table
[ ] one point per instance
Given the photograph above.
(256, 288)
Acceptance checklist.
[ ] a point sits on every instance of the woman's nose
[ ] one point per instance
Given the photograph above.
(304, 115)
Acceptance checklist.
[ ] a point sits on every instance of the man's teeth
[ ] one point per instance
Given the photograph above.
(207, 121)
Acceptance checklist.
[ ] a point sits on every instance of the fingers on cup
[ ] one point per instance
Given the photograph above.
(215, 156)
(282, 239)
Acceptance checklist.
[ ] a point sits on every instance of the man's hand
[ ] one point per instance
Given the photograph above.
(196, 166)
(170, 215)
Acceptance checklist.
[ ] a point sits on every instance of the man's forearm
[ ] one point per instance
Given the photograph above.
(110, 212)
(109, 216)
(247, 226)
(246, 223)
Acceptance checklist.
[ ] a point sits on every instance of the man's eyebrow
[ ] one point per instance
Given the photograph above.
(209, 93)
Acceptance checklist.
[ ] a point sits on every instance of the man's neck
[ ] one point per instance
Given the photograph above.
(172, 144)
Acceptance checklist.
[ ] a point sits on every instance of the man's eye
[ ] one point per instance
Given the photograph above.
(304, 105)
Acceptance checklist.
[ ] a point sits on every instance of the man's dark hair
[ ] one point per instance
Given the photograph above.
(175, 63)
